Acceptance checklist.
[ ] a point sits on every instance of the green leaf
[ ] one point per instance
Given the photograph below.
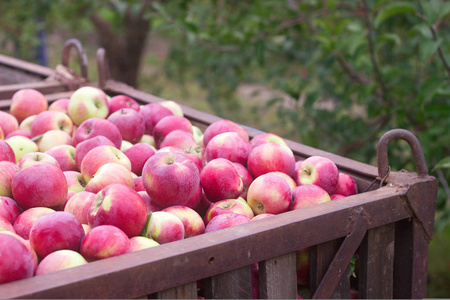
(442, 164)
(427, 48)
(432, 10)
(394, 9)
(428, 89)
(390, 37)
(445, 10)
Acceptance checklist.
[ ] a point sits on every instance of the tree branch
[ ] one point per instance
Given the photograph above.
(439, 50)
(349, 69)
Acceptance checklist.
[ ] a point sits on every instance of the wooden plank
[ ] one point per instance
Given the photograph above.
(376, 263)
(185, 291)
(234, 284)
(45, 87)
(278, 277)
(24, 66)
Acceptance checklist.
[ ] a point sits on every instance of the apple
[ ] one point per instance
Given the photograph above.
(2, 135)
(229, 145)
(95, 127)
(138, 154)
(336, 196)
(17, 260)
(191, 153)
(303, 266)
(8, 123)
(203, 204)
(75, 181)
(197, 134)
(79, 205)
(41, 184)
(25, 125)
(25, 220)
(7, 172)
(307, 195)
(84, 147)
(246, 178)
(107, 174)
(142, 242)
(125, 145)
(179, 138)
(130, 123)
(270, 157)
(100, 156)
(121, 101)
(148, 139)
(27, 102)
(164, 227)
(170, 178)
(192, 221)
(51, 120)
(289, 179)
(21, 146)
(60, 260)
(32, 158)
(5, 225)
(195, 199)
(346, 185)
(153, 113)
(104, 241)
(60, 105)
(149, 203)
(223, 221)
(7, 152)
(320, 171)
(65, 156)
(261, 216)
(9, 209)
(52, 139)
(168, 124)
(20, 133)
(174, 107)
(269, 193)
(220, 180)
(56, 231)
(228, 206)
(139, 184)
(86, 228)
(266, 137)
(109, 208)
(221, 126)
(87, 102)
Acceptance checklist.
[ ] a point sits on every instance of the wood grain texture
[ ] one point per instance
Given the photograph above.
(278, 277)
(234, 284)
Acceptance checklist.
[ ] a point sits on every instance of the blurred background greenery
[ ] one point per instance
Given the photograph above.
(331, 74)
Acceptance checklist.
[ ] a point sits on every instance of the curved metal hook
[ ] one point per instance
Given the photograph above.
(82, 58)
(414, 144)
(102, 68)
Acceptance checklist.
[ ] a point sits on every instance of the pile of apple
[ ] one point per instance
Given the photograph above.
(94, 176)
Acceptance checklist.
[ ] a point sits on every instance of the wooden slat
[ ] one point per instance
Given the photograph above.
(278, 277)
(45, 87)
(376, 265)
(24, 66)
(185, 291)
(234, 284)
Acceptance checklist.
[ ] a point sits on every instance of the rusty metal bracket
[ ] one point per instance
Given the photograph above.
(102, 68)
(66, 75)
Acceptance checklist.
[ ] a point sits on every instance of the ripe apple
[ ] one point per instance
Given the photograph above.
(174, 107)
(168, 124)
(138, 154)
(170, 178)
(109, 208)
(148, 139)
(52, 139)
(220, 180)
(104, 241)
(17, 261)
(121, 101)
(203, 204)
(191, 153)
(75, 181)
(20, 133)
(56, 231)
(149, 203)
(87, 102)
(130, 123)
(320, 171)
(153, 113)
(94, 127)
(179, 138)
(142, 242)
(25, 125)
(261, 216)
(7, 172)
(60, 260)
(8, 123)
(51, 120)
(9, 209)
(198, 135)
(125, 145)
(7, 152)
(223, 221)
(79, 205)
(266, 137)
(286, 177)
(41, 184)
(164, 227)
(32, 158)
(307, 195)
(60, 105)
(2, 135)
(84, 147)
(346, 185)
(5, 225)
(21, 146)
(229, 145)
(139, 184)
(336, 196)
(269, 193)
(228, 206)
(25, 220)
(270, 157)
(107, 174)
(192, 221)
(195, 199)
(27, 102)
(221, 126)
(65, 156)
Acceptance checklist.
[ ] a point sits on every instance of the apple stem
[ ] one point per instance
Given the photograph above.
(307, 171)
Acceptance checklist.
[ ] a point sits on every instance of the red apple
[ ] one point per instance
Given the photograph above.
(87, 102)
(229, 145)
(191, 153)
(286, 177)
(79, 205)
(121, 101)
(75, 181)
(94, 127)
(270, 157)
(8, 123)
(266, 137)
(148, 139)
(110, 173)
(60, 105)
(2, 135)
(138, 184)
(65, 156)
(303, 266)
(60, 260)
(5, 225)
(142, 242)
(168, 124)
(104, 241)
(19, 133)
(307, 195)
(164, 227)
(27, 102)
(25, 220)
(153, 113)
(223, 221)
(346, 185)
(179, 138)
(32, 158)
(229, 206)
(7, 172)
(9, 209)
(130, 123)
(261, 216)
(336, 196)
(138, 155)
(149, 203)
(195, 199)
(221, 126)
(192, 221)
(174, 107)
(51, 120)
(7, 152)
(203, 204)
(84, 147)
(320, 171)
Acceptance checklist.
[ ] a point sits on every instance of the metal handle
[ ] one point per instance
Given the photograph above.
(82, 58)
(414, 144)
(102, 68)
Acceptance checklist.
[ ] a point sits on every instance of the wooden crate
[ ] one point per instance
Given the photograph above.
(389, 224)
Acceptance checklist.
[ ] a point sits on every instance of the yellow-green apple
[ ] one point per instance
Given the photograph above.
(270, 157)
(336, 196)
(121, 206)
(100, 156)
(266, 137)
(164, 227)
(130, 124)
(221, 126)
(179, 138)
(269, 193)
(21, 146)
(107, 174)
(302, 266)
(149, 203)
(125, 145)
(17, 260)
(246, 178)
(223, 221)
(87, 102)
(75, 181)
(51, 120)
(25, 220)
(27, 102)
(153, 113)
(121, 101)
(104, 241)
(142, 242)
(307, 195)
(261, 216)
(95, 127)
(229, 145)
(346, 185)
(138, 154)
(56, 231)
(289, 179)
(228, 206)
(168, 124)
(174, 107)
(20, 133)
(53, 138)
(170, 178)
(84, 147)
(65, 156)
(26, 124)
(41, 184)
(60, 105)
(192, 221)
(60, 260)
(5, 225)
(79, 205)
(7, 172)
(8, 123)
(148, 139)
(7, 152)
(198, 135)
(320, 171)
(32, 158)
(9, 209)
(220, 180)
